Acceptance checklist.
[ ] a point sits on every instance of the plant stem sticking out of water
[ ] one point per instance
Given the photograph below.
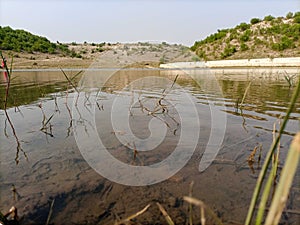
(285, 182)
(46, 125)
(241, 105)
(268, 158)
(289, 79)
(244, 96)
(201, 204)
(70, 81)
(7, 75)
(251, 158)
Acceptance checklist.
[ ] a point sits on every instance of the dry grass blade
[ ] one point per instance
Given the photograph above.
(134, 215)
(251, 157)
(193, 201)
(202, 213)
(201, 204)
(166, 215)
(285, 182)
(50, 212)
(191, 206)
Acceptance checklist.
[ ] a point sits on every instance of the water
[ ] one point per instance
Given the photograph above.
(56, 131)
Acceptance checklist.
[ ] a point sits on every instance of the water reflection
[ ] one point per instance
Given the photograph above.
(41, 109)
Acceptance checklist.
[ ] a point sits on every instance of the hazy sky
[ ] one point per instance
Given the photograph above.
(174, 21)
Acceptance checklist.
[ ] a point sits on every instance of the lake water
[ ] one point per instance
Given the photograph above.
(141, 118)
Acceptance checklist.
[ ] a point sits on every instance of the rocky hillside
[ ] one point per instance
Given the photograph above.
(268, 37)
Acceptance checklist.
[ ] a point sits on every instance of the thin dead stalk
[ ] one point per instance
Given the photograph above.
(165, 214)
(50, 212)
(190, 205)
(134, 215)
(201, 204)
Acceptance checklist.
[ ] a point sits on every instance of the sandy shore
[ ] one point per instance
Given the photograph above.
(263, 62)
(277, 68)
(138, 55)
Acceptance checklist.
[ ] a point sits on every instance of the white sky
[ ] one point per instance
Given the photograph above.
(174, 21)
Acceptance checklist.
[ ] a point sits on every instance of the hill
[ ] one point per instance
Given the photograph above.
(269, 37)
(23, 41)
(33, 51)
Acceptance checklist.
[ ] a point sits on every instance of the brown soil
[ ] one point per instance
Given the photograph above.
(140, 55)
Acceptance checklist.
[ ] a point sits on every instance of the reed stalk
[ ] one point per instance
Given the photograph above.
(285, 182)
(267, 161)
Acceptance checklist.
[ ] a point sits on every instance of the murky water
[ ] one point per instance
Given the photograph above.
(141, 117)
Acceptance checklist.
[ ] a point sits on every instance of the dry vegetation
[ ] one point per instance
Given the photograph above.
(138, 55)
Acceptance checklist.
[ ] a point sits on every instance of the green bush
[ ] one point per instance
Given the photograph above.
(195, 46)
(289, 15)
(296, 14)
(201, 54)
(257, 41)
(254, 20)
(195, 59)
(102, 44)
(244, 47)
(269, 18)
(297, 19)
(243, 26)
(21, 40)
(246, 36)
(213, 37)
(284, 43)
(228, 51)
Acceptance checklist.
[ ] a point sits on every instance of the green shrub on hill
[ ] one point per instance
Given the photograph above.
(284, 43)
(255, 20)
(228, 51)
(289, 15)
(269, 18)
(246, 36)
(23, 41)
(278, 37)
(243, 26)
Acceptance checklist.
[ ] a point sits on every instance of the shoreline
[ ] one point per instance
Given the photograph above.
(291, 62)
